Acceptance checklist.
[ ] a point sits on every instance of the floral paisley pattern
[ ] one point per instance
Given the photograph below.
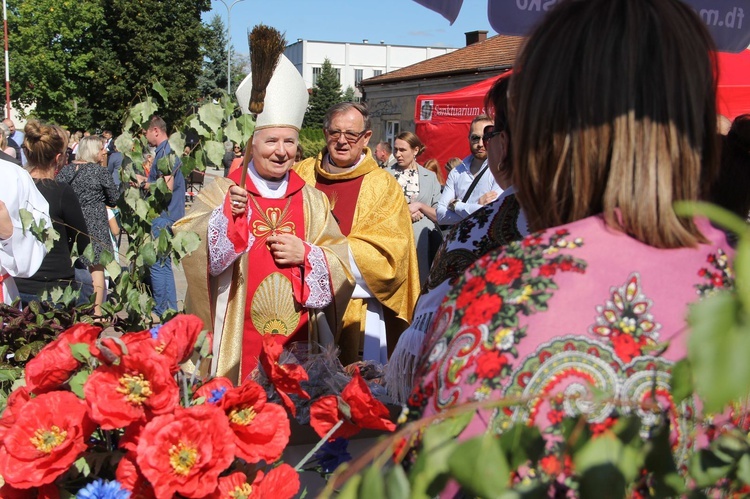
(578, 320)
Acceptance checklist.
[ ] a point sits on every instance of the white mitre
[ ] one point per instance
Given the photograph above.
(286, 97)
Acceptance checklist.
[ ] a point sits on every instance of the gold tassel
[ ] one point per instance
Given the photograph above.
(266, 46)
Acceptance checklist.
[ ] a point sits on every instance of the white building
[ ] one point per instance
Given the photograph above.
(355, 61)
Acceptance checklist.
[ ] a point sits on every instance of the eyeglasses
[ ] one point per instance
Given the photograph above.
(489, 132)
(350, 137)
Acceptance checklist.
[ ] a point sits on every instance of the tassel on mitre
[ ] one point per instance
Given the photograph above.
(266, 46)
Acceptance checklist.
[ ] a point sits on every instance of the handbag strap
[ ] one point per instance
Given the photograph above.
(474, 183)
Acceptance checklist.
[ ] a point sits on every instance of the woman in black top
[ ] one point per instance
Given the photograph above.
(45, 146)
(96, 190)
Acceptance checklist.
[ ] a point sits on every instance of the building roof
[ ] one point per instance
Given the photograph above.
(493, 53)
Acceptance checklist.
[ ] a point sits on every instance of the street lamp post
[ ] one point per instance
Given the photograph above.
(229, 42)
(7, 71)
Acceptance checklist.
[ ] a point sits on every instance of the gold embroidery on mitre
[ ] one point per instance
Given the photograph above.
(272, 309)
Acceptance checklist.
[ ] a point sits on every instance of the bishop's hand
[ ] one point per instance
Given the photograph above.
(238, 200)
(286, 249)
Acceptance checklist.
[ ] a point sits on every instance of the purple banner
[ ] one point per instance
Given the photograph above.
(449, 9)
(727, 20)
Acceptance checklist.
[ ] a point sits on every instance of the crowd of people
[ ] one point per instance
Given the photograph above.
(554, 247)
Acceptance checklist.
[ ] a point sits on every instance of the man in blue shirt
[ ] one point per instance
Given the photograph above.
(469, 186)
(162, 277)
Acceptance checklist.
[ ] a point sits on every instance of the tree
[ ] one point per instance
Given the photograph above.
(213, 79)
(350, 95)
(81, 63)
(325, 93)
(54, 57)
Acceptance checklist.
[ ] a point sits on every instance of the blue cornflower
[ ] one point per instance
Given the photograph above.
(217, 394)
(155, 331)
(332, 454)
(101, 489)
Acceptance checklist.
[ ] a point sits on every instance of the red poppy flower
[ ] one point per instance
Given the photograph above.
(131, 478)
(469, 291)
(185, 452)
(55, 364)
(214, 389)
(281, 482)
(325, 413)
(175, 340)
(261, 429)
(490, 364)
(16, 400)
(625, 346)
(504, 271)
(141, 385)
(49, 434)
(286, 378)
(366, 411)
(481, 310)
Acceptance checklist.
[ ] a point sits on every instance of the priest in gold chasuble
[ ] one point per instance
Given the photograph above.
(273, 260)
(370, 208)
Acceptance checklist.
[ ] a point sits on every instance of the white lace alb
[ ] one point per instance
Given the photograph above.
(318, 280)
(221, 252)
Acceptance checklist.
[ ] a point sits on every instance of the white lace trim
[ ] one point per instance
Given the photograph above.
(318, 280)
(221, 252)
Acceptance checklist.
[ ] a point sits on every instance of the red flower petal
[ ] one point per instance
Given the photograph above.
(281, 482)
(131, 478)
(324, 414)
(285, 378)
(185, 452)
(55, 364)
(367, 411)
(47, 437)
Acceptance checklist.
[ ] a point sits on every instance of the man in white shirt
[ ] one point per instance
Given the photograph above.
(469, 186)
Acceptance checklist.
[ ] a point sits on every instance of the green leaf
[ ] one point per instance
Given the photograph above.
(81, 352)
(184, 243)
(82, 466)
(351, 488)
(142, 112)
(681, 381)
(372, 483)
(202, 345)
(148, 253)
(29, 350)
(113, 269)
(717, 350)
(195, 124)
(246, 125)
(159, 88)
(177, 142)
(609, 460)
(706, 468)
(522, 443)
(212, 115)
(743, 469)
(396, 483)
(234, 133)
(124, 142)
(215, 151)
(77, 381)
(479, 466)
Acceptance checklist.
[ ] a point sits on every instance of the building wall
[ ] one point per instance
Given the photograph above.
(395, 101)
(347, 57)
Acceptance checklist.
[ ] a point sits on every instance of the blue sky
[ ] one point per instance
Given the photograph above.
(397, 22)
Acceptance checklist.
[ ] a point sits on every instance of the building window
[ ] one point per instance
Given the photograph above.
(358, 76)
(317, 72)
(392, 128)
(377, 72)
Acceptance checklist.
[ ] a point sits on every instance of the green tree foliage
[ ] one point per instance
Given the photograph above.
(213, 79)
(82, 63)
(54, 57)
(350, 95)
(325, 93)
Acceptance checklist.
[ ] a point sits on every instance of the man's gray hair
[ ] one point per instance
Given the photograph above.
(343, 107)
